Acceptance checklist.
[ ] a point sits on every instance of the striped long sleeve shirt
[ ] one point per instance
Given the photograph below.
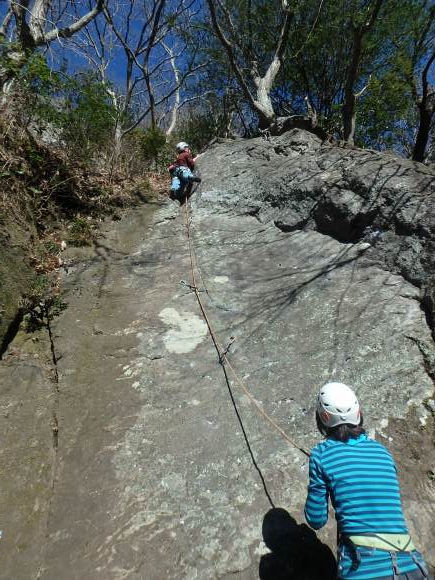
(360, 478)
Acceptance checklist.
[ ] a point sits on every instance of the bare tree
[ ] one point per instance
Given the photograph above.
(34, 27)
(359, 32)
(256, 87)
(425, 98)
(157, 65)
(426, 107)
(177, 95)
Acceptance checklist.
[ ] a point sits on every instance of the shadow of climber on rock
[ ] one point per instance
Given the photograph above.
(296, 552)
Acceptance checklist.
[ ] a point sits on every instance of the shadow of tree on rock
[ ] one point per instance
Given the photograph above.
(296, 552)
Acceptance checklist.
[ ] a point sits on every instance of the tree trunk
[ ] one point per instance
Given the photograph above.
(349, 108)
(426, 107)
(264, 121)
(152, 106)
(30, 33)
(263, 103)
(14, 60)
(177, 97)
(117, 142)
(422, 138)
(349, 118)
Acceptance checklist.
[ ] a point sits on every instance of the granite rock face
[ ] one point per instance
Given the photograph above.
(352, 195)
(16, 275)
(150, 476)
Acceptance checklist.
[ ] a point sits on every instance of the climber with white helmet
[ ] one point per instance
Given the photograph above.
(182, 172)
(359, 475)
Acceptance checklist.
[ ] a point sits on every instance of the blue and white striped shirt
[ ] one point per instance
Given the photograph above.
(360, 478)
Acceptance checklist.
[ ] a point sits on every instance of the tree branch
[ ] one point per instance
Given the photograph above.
(6, 21)
(283, 37)
(265, 83)
(368, 25)
(38, 19)
(73, 28)
(425, 84)
(311, 30)
(230, 23)
(230, 52)
(176, 106)
(154, 30)
(363, 90)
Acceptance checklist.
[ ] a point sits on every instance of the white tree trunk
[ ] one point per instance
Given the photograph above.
(263, 102)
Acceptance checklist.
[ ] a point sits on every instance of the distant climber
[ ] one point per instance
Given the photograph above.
(359, 475)
(182, 173)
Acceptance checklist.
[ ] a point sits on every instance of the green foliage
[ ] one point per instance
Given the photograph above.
(386, 115)
(41, 304)
(50, 247)
(317, 62)
(38, 85)
(81, 232)
(38, 76)
(39, 288)
(152, 143)
(198, 129)
(88, 117)
(147, 149)
(11, 57)
(76, 109)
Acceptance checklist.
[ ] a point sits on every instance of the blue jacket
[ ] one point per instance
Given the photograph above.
(360, 478)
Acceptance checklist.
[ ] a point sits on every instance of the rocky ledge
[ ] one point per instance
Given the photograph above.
(296, 182)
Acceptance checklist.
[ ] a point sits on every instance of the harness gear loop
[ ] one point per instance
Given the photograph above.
(393, 557)
(355, 556)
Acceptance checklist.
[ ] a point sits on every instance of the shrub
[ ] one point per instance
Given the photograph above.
(81, 232)
(88, 117)
(75, 110)
(42, 303)
(152, 142)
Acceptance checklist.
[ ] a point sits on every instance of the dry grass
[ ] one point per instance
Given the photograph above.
(47, 196)
(159, 183)
(44, 184)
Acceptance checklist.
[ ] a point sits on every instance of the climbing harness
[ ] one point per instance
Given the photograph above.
(392, 544)
(223, 352)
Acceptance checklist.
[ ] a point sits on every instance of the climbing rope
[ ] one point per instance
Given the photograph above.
(223, 352)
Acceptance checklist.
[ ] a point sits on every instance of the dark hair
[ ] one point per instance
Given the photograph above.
(342, 432)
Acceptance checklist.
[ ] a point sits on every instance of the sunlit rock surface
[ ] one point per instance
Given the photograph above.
(150, 476)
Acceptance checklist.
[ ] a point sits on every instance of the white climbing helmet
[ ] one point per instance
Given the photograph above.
(181, 146)
(337, 404)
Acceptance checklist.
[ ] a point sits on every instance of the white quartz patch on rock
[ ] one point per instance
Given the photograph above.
(186, 332)
(220, 279)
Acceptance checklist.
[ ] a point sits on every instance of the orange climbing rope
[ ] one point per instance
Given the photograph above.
(222, 353)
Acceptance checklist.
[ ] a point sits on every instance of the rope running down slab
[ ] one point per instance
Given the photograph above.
(222, 352)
